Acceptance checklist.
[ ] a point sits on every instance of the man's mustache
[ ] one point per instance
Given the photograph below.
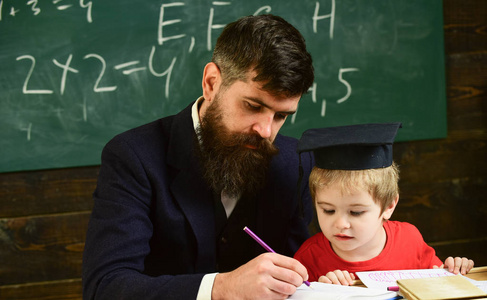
(255, 142)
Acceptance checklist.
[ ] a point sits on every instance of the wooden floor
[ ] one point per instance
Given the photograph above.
(44, 214)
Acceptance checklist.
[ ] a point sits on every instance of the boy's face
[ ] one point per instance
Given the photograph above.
(352, 222)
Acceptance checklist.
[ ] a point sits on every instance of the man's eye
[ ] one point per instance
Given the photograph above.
(252, 107)
(281, 116)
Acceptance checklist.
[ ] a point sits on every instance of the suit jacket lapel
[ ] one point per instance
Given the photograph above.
(191, 191)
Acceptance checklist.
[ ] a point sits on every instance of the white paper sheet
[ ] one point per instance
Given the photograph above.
(324, 291)
(383, 279)
(480, 284)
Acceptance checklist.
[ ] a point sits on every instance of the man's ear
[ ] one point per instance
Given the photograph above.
(386, 215)
(211, 81)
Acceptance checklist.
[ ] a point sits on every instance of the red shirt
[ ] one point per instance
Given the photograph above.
(405, 249)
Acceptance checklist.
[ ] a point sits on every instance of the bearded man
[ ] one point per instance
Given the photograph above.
(174, 195)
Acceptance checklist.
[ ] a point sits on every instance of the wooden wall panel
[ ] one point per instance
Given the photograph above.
(472, 248)
(69, 289)
(47, 192)
(465, 26)
(443, 182)
(44, 214)
(42, 248)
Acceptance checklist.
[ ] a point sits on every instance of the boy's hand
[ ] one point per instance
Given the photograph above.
(338, 277)
(457, 265)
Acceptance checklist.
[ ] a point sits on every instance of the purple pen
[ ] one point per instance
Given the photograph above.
(261, 242)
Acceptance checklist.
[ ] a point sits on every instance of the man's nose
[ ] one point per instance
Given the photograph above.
(263, 126)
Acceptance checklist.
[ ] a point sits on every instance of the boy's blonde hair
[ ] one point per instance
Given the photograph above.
(381, 184)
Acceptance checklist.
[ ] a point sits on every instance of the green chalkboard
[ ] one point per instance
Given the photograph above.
(75, 73)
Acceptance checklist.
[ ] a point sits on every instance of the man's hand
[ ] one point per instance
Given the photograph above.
(457, 265)
(268, 276)
(338, 277)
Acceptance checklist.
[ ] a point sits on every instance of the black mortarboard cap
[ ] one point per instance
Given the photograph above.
(353, 147)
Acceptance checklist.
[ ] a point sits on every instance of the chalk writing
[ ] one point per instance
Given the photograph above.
(66, 67)
(317, 18)
(35, 8)
(97, 88)
(349, 87)
(166, 73)
(87, 5)
(313, 91)
(263, 10)
(130, 67)
(211, 25)
(27, 129)
(25, 90)
(161, 39)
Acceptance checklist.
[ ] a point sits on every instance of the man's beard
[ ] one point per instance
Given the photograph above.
(228, 165)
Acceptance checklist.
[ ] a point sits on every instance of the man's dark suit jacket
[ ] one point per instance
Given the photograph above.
(152, 233)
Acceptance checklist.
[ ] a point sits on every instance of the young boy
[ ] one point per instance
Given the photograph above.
(354, 186)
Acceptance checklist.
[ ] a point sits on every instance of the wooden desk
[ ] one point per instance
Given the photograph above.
(477, 273)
